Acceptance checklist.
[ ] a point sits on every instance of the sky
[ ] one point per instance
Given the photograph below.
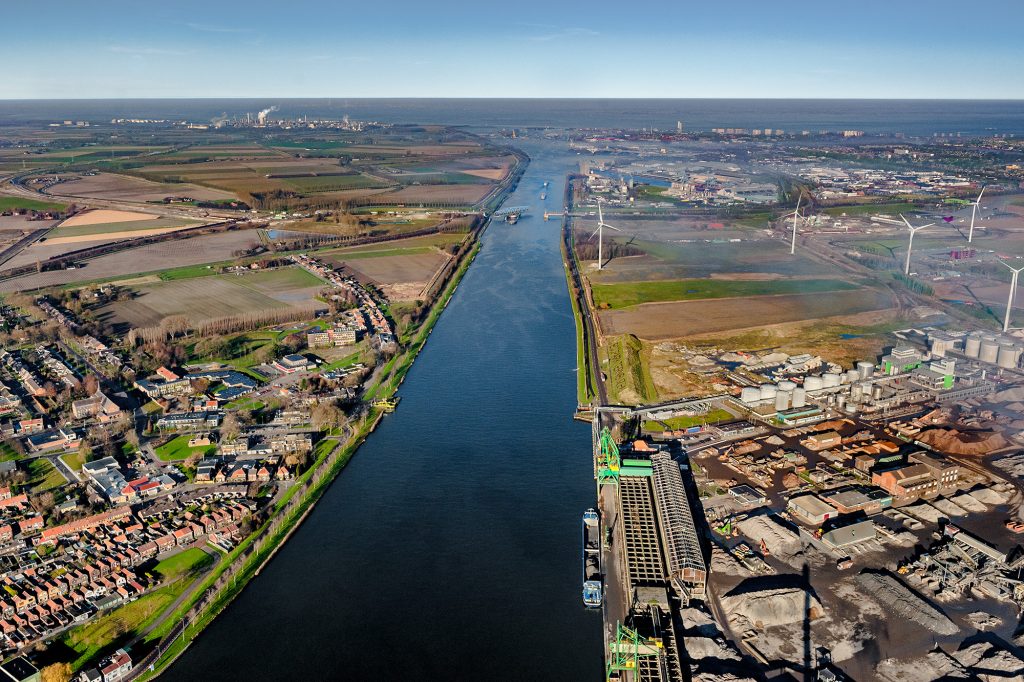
(513, 48)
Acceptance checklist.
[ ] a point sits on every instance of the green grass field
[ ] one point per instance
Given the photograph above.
(633, 293)
(685, 422)
(333, 183)
(177, 449)
(182, 563)
(11, 203)
(870, 209)
(628, 378)
(74, 460)
(43, 475)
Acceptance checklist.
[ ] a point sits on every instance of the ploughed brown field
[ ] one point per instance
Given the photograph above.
(127, 188)
(675, 319)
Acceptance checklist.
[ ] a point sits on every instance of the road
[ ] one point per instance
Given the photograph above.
(23, 243)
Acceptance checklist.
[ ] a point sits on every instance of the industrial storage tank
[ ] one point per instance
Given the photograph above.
(813, 383)
(865, 369)
(972, 346)
(799, 397)
(876, 392)
(840, 401)
(989, 350)
(1009, 355)
(786, 385)
(831, 379)
(852, 375)
(782, 400)
(750, 394)
(856, 392)
(768, 391)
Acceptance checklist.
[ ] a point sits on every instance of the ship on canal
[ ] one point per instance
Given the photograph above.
(592, 587)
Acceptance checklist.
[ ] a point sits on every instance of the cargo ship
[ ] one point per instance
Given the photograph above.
(592, 587)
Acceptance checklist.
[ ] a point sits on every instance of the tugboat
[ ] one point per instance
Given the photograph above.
(512, 218)
(592, 588)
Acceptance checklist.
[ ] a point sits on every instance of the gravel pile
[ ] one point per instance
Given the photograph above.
(897, 597)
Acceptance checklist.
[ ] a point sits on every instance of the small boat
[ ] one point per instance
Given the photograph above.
(512, 218)
(592, 588)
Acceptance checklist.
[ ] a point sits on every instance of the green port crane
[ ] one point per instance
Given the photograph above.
(625, 652)
(608, 460)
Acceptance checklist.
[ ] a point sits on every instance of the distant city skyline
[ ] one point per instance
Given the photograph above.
(874, 49)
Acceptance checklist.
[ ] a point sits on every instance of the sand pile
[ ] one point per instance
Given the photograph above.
(936, 665)
(990, 496)
(988, 662)
(948, 508)
(780, 541)
(1013, 465)
(1015, 394)
(726, 564)
(978, 443)
(983, 621)
(772, 608)
(969, 503)
(923, 511)
(896, 597)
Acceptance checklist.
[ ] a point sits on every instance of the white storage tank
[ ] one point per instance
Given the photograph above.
(750, 394)
(865, 369)
(972, 345)
(852, 375)
(1009, 355)
(813, 383)
(782, 400)
(786, 385)
(876, 392)
(841, 401)
(856, 391)
(989, 350)
(799, 397)
(830, 379)
(768, 391)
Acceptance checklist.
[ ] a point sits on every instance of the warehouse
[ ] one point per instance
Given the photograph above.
(811, 510)
(850, 536)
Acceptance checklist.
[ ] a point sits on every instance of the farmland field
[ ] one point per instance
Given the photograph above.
(654, 321)
(633, 293)
(124, 187)
(144, 259)
(202, 298)
(151, 225)
(11, 203)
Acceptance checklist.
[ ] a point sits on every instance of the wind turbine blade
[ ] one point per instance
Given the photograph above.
(799, 198)
(612, 227)
(594, 233)
(600, 216)
(924, 226)
(980, 193)
(906, 221)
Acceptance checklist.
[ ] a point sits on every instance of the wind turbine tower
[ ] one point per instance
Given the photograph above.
(974, 211)
(910, 244)
(1013, 290)
(601, 224)
(796, 216)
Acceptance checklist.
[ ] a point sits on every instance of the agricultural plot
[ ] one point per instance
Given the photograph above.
(402, 272)
(203, 298)
(634, 293)
(462, 195)
(128, 188)
(655, 321)
(145, 259)
(123, 229)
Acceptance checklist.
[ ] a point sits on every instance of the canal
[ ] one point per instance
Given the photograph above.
(449, 548)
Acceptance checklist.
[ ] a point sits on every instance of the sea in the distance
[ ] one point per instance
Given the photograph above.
(918, 118)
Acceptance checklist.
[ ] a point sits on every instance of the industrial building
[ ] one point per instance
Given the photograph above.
(811, 510)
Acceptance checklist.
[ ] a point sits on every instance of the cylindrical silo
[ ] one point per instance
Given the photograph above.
(750, 394)
(972, 346)
(989, 350)
(782, 400)
(852, 375)
(856, 391)
(876, 392)
(831, 379)
(799, 397)
(768, 391)
(865, 369)
(1008, 355)
(786, 385)
(840, 401)
(813, 383)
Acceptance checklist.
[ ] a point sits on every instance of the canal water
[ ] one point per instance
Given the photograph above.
(449, 548)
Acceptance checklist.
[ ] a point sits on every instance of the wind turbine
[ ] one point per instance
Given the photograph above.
(974, 212)
(796, 215)
(1013, 290)
(601, 224)
(910, 244)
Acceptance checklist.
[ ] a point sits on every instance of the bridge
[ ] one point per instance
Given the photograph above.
(509, 210)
